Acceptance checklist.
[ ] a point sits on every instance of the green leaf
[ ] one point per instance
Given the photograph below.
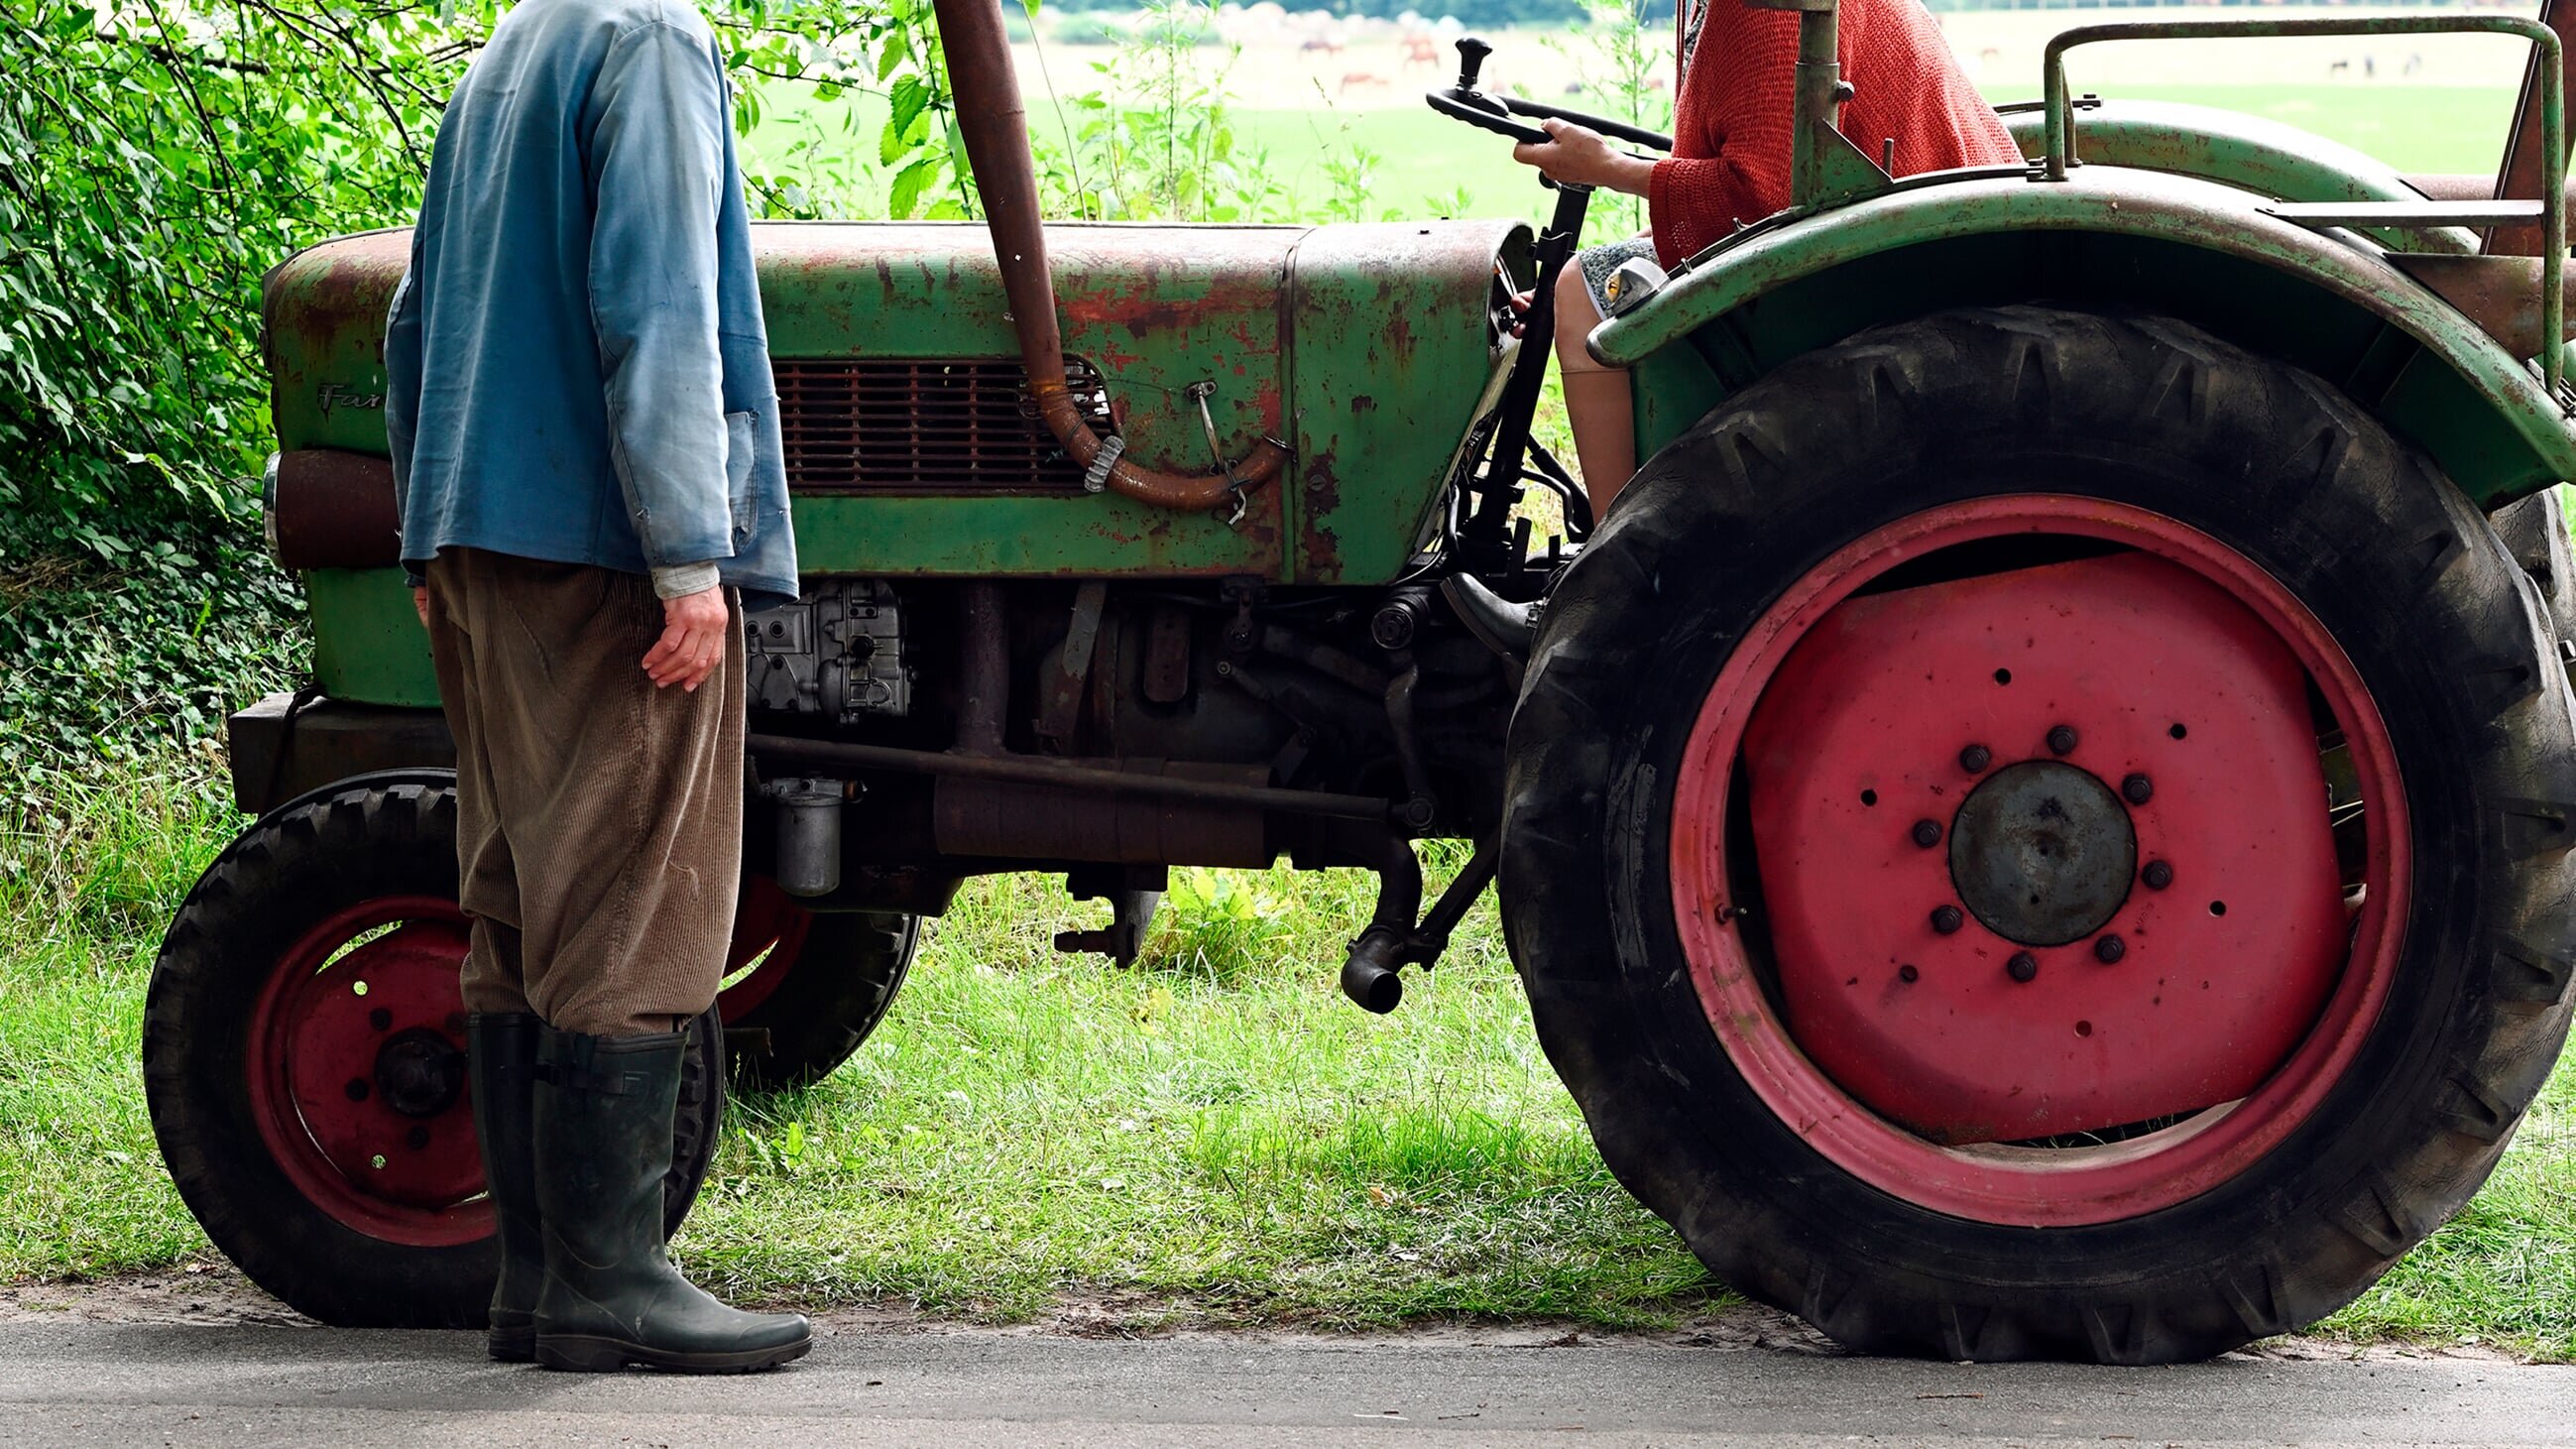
(909, 98)
(904, 196)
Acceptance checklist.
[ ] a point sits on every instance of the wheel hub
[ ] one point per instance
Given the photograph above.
(2042, 853)
(420, 1073)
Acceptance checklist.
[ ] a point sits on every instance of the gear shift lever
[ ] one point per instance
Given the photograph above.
(1471, 59)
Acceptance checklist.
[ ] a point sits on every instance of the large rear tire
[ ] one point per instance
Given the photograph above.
(303, 1062)
(1750, 719)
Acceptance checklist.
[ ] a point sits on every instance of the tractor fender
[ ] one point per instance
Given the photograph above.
(2113, 237)
(2250, 152)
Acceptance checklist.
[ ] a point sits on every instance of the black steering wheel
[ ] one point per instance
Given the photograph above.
(1465, 102)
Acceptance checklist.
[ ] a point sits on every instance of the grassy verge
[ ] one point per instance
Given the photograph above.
(1215, 1138)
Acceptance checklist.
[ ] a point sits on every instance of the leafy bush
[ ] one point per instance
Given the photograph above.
(153, 163)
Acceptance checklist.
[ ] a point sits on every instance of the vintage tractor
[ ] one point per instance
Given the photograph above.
(2038, 826)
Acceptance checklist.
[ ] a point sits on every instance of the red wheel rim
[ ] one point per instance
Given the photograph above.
(768, 935)
(357, 1073)
(2004, 1181)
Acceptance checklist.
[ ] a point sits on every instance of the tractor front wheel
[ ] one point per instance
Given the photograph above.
(304, 1062)
(2034, 834)
(804, 988)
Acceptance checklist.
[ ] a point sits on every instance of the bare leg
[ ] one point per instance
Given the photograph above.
(1596, 397)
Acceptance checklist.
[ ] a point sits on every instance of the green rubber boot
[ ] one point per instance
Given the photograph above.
(611, 1296)
(501, 1066)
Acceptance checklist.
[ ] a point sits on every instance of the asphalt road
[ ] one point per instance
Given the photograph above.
(76, 1383)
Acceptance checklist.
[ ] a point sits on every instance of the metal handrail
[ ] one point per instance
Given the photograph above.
(2553, 120)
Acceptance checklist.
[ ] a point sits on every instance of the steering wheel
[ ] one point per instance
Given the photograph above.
(1465, 102)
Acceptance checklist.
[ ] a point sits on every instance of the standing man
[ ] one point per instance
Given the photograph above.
(586, 450)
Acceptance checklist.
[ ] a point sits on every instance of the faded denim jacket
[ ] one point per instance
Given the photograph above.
(576, 366)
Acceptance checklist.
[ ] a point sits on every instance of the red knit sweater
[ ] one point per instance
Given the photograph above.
(1731, 130)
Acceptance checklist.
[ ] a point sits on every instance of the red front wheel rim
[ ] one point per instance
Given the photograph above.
(769, 930)
(356, 1071)
(1912, 1045)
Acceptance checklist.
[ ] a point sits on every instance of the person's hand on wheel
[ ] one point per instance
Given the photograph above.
(696, 628)
(1581, 156)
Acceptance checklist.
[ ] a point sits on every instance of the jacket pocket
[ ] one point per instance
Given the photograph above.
(739, 446)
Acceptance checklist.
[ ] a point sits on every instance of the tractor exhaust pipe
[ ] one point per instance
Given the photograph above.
(996, 132)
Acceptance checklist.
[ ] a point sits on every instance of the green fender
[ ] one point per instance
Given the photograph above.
(2110, 236)
(2268, 157)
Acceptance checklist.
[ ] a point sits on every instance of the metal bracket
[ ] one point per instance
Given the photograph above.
(1060, 704)
(1199, 392)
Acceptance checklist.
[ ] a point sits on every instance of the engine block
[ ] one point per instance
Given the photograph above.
(837, 652)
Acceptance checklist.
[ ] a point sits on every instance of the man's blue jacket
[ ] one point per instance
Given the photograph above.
(576, 366)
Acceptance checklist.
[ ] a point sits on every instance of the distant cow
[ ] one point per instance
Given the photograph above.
(1420, 50)
(1325, 44)
(1362, 80)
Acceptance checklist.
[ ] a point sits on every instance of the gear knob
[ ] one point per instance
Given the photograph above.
(1471, 59)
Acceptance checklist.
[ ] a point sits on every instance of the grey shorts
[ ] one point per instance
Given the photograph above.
(1599, 262)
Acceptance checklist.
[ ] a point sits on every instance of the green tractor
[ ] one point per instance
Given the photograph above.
(2037, 827)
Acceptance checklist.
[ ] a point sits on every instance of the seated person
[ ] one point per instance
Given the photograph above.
(1730, 164)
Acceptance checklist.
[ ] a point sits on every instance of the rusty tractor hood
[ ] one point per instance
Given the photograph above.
(1369, 349)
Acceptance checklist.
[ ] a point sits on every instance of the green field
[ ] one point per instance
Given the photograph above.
(1424, 160)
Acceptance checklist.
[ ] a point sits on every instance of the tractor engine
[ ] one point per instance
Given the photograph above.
(837, 653)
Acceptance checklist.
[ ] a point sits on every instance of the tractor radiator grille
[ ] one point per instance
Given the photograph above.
(926, 425)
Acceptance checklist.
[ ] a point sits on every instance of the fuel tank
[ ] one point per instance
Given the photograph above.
(1371, 350)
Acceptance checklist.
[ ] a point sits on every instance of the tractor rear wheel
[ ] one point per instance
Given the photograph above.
(304, 1062)
(2033, 834)
(805, 988)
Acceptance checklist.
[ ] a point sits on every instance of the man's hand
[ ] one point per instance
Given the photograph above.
(1584, 157)
(696, 628)
(420, 605)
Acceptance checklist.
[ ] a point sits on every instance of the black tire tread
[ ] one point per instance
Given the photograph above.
(840, 987)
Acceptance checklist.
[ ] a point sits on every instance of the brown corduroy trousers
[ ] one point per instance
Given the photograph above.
(599, 819)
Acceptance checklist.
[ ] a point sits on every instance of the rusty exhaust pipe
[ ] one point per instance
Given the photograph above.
(996, 132)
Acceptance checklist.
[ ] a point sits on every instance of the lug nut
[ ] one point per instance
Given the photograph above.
(381, 1019)
(1975, 758)
(2023, 966)
(1947, 919)
(1907, 973)
(2137, 789)
(2109, 949)
(2157, 875)
(417, 1138)
(2061, 740)
(1927, 833)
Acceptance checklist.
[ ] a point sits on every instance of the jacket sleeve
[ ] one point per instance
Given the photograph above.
(402, 385)
(1730, 159)
(656, 164)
